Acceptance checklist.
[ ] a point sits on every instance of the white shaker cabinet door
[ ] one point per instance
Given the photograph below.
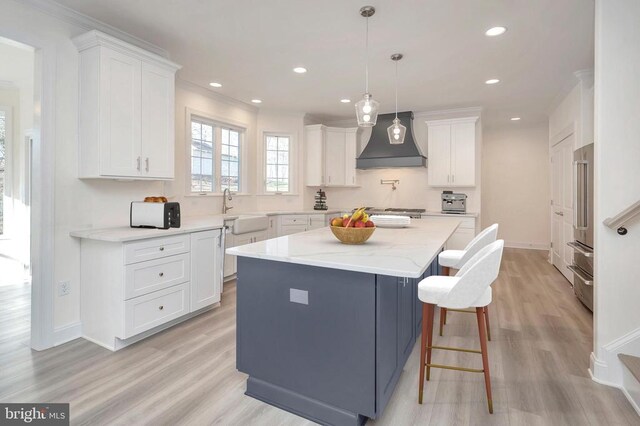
(335, 162)
(314, 151)
(119, 114)
(463, 154)
(439, 155)
(158, 118)
(206, 276)
(350, 154)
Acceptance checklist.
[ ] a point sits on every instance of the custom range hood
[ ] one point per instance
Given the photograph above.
(379, 153)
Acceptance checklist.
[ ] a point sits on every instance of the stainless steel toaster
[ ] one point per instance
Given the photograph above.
(154, 215)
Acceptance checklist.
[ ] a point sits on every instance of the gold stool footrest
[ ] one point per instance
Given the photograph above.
(454, 367)
(449, 348)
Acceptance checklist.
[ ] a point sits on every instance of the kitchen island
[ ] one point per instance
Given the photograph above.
(324, 329)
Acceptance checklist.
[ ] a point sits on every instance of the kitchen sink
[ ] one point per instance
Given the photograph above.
(250, 223)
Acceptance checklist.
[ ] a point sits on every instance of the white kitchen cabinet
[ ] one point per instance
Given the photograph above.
(452, 152)
(206, 252)
(230, 261)
(316, 221)
(136, 288)
(272, 231)
(463, 235)
(127, 116)
(295, 223)
(330, 156)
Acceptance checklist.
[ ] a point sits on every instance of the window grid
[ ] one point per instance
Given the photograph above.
(230, 160)
(202, 154)
(277, 149)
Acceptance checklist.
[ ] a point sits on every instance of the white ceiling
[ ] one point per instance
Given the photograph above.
(252, 46)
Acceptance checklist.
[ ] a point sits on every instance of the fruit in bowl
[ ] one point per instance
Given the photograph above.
(353, 229)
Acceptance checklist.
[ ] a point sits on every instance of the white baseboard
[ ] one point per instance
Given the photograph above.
(67, 333)
(631, 389)
(531, 246)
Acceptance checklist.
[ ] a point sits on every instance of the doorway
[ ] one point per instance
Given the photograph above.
(17, 101)
(562, 205)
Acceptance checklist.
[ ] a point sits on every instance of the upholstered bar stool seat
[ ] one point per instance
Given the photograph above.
(456, 259)
(436, 287)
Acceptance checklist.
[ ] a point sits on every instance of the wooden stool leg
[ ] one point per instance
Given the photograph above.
(486, 319)
(443, 311)
(482, 329)
(430, 315)
(423, 351)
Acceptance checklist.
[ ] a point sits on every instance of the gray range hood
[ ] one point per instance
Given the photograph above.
(380, 153)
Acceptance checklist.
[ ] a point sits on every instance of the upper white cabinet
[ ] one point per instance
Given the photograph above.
(452, 152)
(330, 156)
(127, 110)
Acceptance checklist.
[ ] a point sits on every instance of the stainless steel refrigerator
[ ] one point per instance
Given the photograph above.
(582, 266)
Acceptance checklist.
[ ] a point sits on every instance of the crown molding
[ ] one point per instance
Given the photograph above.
(95, 38)
(448, 113)
(88, 23)
(187, 85)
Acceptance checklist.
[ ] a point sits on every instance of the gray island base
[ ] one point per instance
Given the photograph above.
(320, 331)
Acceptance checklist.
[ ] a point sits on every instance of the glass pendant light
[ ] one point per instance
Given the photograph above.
(367, 108)
(396, 131)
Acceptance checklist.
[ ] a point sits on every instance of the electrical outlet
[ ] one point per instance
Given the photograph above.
(64, 288)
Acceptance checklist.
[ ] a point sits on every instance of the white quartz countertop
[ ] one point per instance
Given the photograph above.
(404, 252)
(126, 233)
(467, 214)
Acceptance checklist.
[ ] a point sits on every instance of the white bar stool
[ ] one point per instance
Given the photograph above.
(469, 288)
(457, 258)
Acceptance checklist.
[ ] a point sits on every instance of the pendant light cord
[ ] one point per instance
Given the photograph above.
(396, 89)
(366, 73)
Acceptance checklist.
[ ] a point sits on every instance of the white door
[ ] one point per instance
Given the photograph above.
(206, 259)
(463, 154)
(335, 162)
(439, 153)
(120, 114)
(350, 154)
(158, 118)
(562, 205)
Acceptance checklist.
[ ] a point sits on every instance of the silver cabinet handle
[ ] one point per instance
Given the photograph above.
(559, 213)
(577, 247)
(448, 178)
(161, 249)
(161, 274)
(146, 167)
(453, 178)
(138, 166)
(161, 307)
(582, 276)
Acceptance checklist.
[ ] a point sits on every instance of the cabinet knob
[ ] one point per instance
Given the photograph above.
(161, 248)
(161, 307)
(161, 274)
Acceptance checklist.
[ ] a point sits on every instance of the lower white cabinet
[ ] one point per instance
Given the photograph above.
(133, 289)
(463, 235)
(294, 223)
(231, 262)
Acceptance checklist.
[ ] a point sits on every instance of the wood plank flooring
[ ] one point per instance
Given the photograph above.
(539, 355)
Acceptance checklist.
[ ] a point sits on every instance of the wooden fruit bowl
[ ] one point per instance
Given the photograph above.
(352, 235)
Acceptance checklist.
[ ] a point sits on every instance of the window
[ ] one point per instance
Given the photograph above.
(230, 159)
(277, 177)
(216, 151)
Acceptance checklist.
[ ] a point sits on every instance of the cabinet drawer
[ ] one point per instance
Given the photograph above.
(288, 220)
(292, 229)
(316, 221)
(153, 309)
(155, 248)
(145, 277)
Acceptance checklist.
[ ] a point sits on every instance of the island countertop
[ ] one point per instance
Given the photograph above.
(404, 252)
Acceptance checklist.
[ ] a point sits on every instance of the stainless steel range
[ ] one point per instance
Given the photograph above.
(412, 213)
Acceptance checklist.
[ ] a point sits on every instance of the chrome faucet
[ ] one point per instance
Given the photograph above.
(226, 194)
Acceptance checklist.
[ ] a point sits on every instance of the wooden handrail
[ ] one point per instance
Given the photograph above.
(618, 221)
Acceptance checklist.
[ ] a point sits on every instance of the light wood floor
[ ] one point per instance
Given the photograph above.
(186, 375)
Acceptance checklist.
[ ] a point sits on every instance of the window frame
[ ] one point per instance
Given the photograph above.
(218, 124)
(291, 174)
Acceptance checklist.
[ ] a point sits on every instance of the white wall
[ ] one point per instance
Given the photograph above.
(413, 190)
(617, 185)
(515, 173)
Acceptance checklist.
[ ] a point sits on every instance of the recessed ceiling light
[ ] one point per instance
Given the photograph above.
(495, 31)
(256, 101)
(492, 81)
(515, 118)
(300, 70)
(345, 100)
(215, 84)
